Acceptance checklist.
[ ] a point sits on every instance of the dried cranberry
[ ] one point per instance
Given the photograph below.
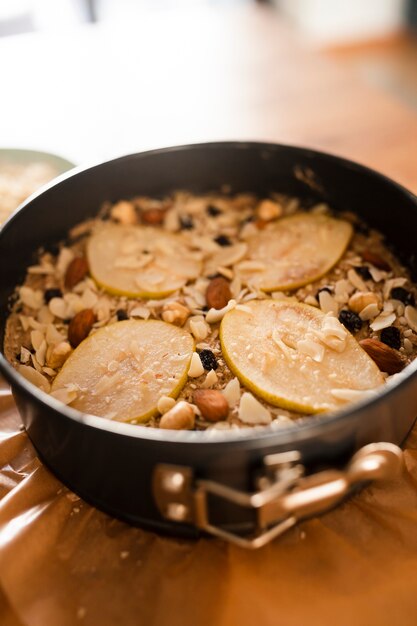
(223, 240)
(391, 336)
(208, 360)
(350, 320)
(399, 293)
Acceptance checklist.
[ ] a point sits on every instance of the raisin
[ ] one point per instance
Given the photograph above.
(391, 336)
(52, 293)
(208, 360)
(350, 320)
(186, 222)
(121, 315)
(223, 240)
(363, 272)
(213, 211)
(399, 293)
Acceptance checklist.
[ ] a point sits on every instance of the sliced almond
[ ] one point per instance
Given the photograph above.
(232, 392)
(410, 314)
(251, 411)
(196, 368)
(383, 321)
(225, 257)
(34, 377)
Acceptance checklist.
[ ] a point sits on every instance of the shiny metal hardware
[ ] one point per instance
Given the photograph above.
(284, 496)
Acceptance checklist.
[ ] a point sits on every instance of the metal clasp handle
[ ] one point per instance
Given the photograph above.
(285, 495)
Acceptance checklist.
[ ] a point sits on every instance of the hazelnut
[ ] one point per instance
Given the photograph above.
(175, 313)
(124, 212)
(212, 404)
(362, 299)
(58, 354)
(180, 417)
(269, 210)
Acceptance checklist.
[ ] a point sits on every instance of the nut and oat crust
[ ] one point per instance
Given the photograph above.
(59, 304)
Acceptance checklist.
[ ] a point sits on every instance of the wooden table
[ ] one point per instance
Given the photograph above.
(189, 76)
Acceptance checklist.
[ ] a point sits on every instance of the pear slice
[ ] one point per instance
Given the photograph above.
(294, 356)
(140, 261)
(122, 370)
(294, 251)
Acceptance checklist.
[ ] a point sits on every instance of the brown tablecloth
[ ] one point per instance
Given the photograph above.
(62, 562)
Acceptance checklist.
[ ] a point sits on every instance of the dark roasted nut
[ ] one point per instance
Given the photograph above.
(80, 326)
(76, 271)
(218, 293)
(212, 404)
(376, 260)
(153, 216)
(387, 359)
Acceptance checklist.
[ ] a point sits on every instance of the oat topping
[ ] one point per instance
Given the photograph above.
(194, 263)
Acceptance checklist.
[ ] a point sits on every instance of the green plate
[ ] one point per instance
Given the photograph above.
(23, 157)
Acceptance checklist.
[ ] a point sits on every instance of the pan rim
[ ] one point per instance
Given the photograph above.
(310, 426)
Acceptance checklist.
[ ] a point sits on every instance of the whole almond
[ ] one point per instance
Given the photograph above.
(153, 216)
(218, 293)
(80, 326)
(212, 404)
(76, 271)
(387, 359)
(376, 260)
